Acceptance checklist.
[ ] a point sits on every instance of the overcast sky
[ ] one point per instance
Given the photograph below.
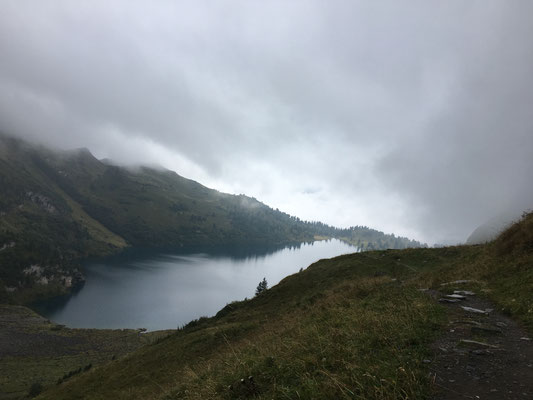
(412, 117)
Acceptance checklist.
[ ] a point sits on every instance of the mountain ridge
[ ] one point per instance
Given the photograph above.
(59, 207)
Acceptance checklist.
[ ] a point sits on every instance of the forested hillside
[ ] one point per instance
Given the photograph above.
(59, 207)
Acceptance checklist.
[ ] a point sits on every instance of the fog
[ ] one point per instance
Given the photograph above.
(410, 117)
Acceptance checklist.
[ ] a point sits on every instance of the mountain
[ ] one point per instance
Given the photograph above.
(366, 238)
(357, 326)
(493, 227)
(58, 207)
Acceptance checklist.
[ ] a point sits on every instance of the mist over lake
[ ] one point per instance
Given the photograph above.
(167, 290)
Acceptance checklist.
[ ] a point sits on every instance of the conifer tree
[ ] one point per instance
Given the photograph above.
(263, 285)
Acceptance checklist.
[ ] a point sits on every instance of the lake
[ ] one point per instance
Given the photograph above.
(165, 291)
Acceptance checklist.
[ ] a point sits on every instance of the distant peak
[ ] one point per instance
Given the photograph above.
(83, 151)
(108, 161)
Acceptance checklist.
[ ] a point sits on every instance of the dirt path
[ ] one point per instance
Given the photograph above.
(481, 356)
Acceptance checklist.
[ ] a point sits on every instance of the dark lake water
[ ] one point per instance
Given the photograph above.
(164, 291)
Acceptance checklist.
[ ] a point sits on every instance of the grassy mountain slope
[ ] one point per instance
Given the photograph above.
(59, 207)
(36, 351)
(490, 230)
(355, 326)
(41, 225)
(503, 269)
(333, 331)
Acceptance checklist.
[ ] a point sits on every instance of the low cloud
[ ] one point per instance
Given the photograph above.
(412, 118)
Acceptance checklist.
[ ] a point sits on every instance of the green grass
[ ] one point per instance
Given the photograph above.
(94, 228)
(503, 270)
(343, 328)
(352, 327)
(35, 350)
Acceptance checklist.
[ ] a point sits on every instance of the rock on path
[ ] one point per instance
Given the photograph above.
(483, 354)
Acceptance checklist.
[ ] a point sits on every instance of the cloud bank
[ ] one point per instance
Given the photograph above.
(412, 117)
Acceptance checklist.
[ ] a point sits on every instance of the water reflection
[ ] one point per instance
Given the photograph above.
(168, 289)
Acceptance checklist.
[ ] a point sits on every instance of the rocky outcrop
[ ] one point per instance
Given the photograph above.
(34, 269)
(6, 246)
(74, 280)
(42, 201)
(45, 276)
